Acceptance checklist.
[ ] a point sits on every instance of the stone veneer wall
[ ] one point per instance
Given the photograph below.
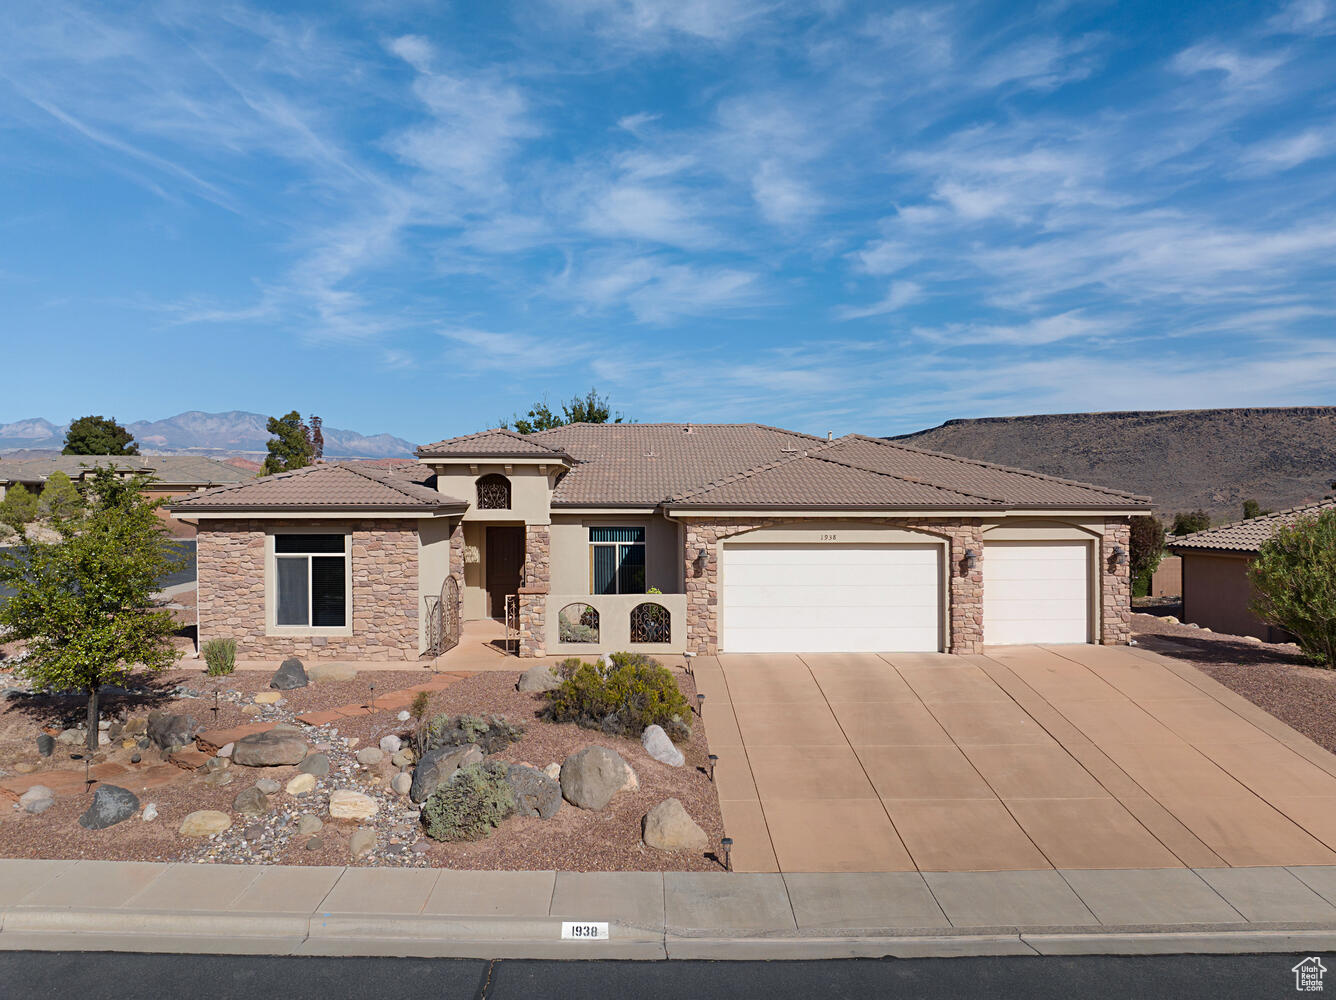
(1116, 584)
(537, 585)
(384, 556)
(966, 596)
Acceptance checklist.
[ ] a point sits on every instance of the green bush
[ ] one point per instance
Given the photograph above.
(1294, 576)
(492, 733)
(19, 507)
(60, 497)
(621, 700)
(220, 656)
(471, 804)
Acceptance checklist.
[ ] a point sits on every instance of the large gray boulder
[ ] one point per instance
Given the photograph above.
(274, 748)
(590, 778)
(535, 793)
(660, 747)
(539, 678)
(289, 675)
(111, 805)
(166, 730)
(437, 767)
(668, 827)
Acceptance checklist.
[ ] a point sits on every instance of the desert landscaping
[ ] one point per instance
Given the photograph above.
(321, 765)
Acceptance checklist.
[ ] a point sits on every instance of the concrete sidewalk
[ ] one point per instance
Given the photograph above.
(276, 910)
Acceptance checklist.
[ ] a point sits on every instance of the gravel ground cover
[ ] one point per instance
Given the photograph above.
(1272, 676)
(573, 840)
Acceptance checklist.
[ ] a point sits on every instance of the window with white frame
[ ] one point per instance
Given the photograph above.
(311, 581)
(617, 560)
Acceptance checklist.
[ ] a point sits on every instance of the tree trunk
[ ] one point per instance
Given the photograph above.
(92, 720)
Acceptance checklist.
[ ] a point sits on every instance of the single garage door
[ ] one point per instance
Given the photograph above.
(795, 598)
(1036, 592)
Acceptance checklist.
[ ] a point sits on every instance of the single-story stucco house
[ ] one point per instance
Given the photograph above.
(662, 538)
(173, 475)
(1216, 589)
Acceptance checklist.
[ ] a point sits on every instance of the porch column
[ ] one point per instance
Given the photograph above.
(1115, 587)
(966, 593)
(537, 585)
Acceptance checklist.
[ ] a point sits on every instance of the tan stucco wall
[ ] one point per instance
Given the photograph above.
(1167, 580)
(474, 596)
(530, 491)
(1216, 594)
(440, 553)
(570, 551)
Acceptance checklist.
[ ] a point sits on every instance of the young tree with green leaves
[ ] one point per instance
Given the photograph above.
(591, 408)
(1251, 509)
(19, 507)
(1146, 545)
(291, 446)
(1294, 577)
(1188, 521)
(98, 436)
(60, 497)
(84, 605)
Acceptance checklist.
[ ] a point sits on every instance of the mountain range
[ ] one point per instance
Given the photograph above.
(1182, 459)
(236, 432)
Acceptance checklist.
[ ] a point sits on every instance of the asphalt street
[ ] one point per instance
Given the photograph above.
(93, 976)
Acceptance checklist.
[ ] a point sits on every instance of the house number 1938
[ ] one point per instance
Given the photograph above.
(828, 538)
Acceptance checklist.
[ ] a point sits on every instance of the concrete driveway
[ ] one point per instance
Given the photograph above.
(1024, 757)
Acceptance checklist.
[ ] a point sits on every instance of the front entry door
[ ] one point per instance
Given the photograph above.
(505, 566)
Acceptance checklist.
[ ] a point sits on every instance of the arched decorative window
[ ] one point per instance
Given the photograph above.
(577, 623)
(494, 492)
(651, 623)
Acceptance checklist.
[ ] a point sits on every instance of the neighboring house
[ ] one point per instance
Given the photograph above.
(662, 538)
(1216, 588)
(175, 475)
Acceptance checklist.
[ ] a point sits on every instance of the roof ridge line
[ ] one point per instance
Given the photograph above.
(285, 474)
(908, 479)
(1297, 508)
(734, 477)
(887, 442)
(381, 478)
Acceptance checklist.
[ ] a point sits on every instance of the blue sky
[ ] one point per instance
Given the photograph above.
(418, 217)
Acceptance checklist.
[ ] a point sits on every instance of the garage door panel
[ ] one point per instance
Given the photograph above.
(1036, 592)
(830, 598)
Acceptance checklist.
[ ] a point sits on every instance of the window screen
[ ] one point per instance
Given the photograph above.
(312, 581)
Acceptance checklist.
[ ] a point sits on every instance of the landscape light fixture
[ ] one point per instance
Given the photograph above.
(700, 705)
(215, 706)
(372, 706)
(727, 844)
(713, 759)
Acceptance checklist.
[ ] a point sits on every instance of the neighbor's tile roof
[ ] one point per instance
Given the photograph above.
(331, 486)
(193, 470)
(496, 443)
(1248, 536)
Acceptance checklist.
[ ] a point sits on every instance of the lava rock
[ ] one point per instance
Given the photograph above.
(668, 827)
(290, 675)
(317, 764)
(136, 757)
(660, 747)
(111, 805)
(46, 744)
(272, 748)
(590, 778)
(437, 767)
(166, 730)
(535, 793)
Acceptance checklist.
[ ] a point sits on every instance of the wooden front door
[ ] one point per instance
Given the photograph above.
(505, 566)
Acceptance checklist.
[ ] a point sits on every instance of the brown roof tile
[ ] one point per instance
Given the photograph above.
(331, 486)
(1247, 536)
(189, 470)
(495, 443)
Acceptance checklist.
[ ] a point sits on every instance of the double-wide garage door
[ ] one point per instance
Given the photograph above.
(809, 598)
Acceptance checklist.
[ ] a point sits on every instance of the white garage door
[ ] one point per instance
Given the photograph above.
(779, 598)
(1036, 592)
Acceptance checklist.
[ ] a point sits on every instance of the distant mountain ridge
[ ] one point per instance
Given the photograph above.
(236, 432)
(1183, 459)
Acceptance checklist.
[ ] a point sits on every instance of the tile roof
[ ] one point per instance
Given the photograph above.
(644, 464)
(193, 470)
(495, 443)
(1247, 536)
(328, 486)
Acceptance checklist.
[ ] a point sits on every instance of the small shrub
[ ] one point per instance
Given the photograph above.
(1294, 576)
(1190, 521)
(220, 656)
(491, 733)
(621, 700)
(421, 735)
(471, 804)
(19, 507)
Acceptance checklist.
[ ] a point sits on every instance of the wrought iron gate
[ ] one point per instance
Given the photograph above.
(443, 618)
